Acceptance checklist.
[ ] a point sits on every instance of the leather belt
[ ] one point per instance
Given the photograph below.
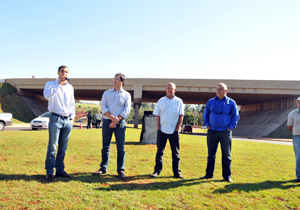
(62, 117)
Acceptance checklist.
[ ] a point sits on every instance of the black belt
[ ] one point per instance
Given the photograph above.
(62, 117)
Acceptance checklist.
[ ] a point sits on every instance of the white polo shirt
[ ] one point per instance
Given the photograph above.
(169, 110)
(294, 121)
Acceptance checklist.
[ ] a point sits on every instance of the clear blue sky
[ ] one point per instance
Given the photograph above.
(234, 39)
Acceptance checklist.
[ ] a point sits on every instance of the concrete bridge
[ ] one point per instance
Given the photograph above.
(253, 96)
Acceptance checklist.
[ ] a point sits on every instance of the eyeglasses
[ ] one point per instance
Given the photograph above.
(115, 79)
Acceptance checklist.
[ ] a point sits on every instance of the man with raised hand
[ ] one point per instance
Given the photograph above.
(61, 105)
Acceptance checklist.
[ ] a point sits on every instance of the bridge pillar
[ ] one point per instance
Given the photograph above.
(136, 114)
(137, 99)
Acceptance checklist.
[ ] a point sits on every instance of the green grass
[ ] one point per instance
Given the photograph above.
(263, 175)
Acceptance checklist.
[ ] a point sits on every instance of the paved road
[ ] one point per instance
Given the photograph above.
(26, 127)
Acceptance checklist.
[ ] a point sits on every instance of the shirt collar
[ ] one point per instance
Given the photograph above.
(225, 98)
(121, 90)
(56, 81)
(169, 98)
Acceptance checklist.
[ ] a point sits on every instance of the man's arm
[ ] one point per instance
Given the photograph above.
(158, 122)
(72, 106)
(50, 90)
(291, 128)
(180, 119)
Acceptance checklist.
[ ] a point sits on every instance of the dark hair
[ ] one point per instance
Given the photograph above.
(122, 77)
(62, 67)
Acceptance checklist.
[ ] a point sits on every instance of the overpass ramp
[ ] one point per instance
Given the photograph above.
(260, 123)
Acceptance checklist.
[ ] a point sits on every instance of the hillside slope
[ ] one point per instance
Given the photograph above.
(11, 102)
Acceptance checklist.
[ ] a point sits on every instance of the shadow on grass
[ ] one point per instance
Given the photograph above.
(147, 183)
(251, 187)
(110, 182)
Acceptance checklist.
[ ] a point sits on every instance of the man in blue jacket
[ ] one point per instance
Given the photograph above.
(220, 117)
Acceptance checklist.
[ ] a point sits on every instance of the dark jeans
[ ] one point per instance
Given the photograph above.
(98, 123)
(88, 126)
(161, 144)
(213, 139)
(107, 132)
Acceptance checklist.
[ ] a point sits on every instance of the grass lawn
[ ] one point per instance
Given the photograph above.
(263, 175)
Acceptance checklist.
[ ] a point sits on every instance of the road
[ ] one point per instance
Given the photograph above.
(26, 127)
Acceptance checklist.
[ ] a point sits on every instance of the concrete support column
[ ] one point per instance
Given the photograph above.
(137, 99)
(136, 114)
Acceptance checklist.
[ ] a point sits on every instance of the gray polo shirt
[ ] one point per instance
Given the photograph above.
(294, 121)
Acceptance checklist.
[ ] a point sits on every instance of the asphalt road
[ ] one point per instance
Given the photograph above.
(26, 127)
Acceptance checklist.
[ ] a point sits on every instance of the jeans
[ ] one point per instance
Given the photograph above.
(161, 144)
(296, 145)
(213, 139)
(59, 133)
(107, 132)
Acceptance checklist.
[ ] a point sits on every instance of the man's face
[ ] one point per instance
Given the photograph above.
(117, 81)
(221, 92)
(63, 73)
(298, 104)
(170, 90)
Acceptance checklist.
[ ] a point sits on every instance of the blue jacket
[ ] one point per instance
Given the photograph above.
(220, 115)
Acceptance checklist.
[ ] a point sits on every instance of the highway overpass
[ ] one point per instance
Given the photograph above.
(250, 95)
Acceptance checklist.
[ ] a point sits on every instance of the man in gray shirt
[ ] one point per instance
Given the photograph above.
(293, 124)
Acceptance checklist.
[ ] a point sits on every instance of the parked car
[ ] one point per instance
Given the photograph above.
(40, 122)
(187, 128)
(5, 120)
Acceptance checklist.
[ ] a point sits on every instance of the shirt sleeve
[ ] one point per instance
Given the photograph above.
(235, 116)
(156, 108)
(72, 105)
(50, 89)
(206, 114)
(127, 106)
(104, 107)
(181, 108)
(290, 119)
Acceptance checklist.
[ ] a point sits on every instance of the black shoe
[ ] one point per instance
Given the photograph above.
(155, 174)
(205, 177)
(49, 178)
(179, 176)
(99, 172)
(228, 179)
(64, 175)
(121, 175)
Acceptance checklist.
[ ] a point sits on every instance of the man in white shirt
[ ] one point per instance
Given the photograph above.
(293, 124)
(98, 119)
(61, 105)
(169, 113)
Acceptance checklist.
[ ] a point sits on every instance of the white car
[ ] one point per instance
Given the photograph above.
(5, 119)
(40, 122)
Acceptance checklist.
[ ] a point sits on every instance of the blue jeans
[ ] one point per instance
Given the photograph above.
(59, 133)
(296, 145)
(107, 132)
(213, 139)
